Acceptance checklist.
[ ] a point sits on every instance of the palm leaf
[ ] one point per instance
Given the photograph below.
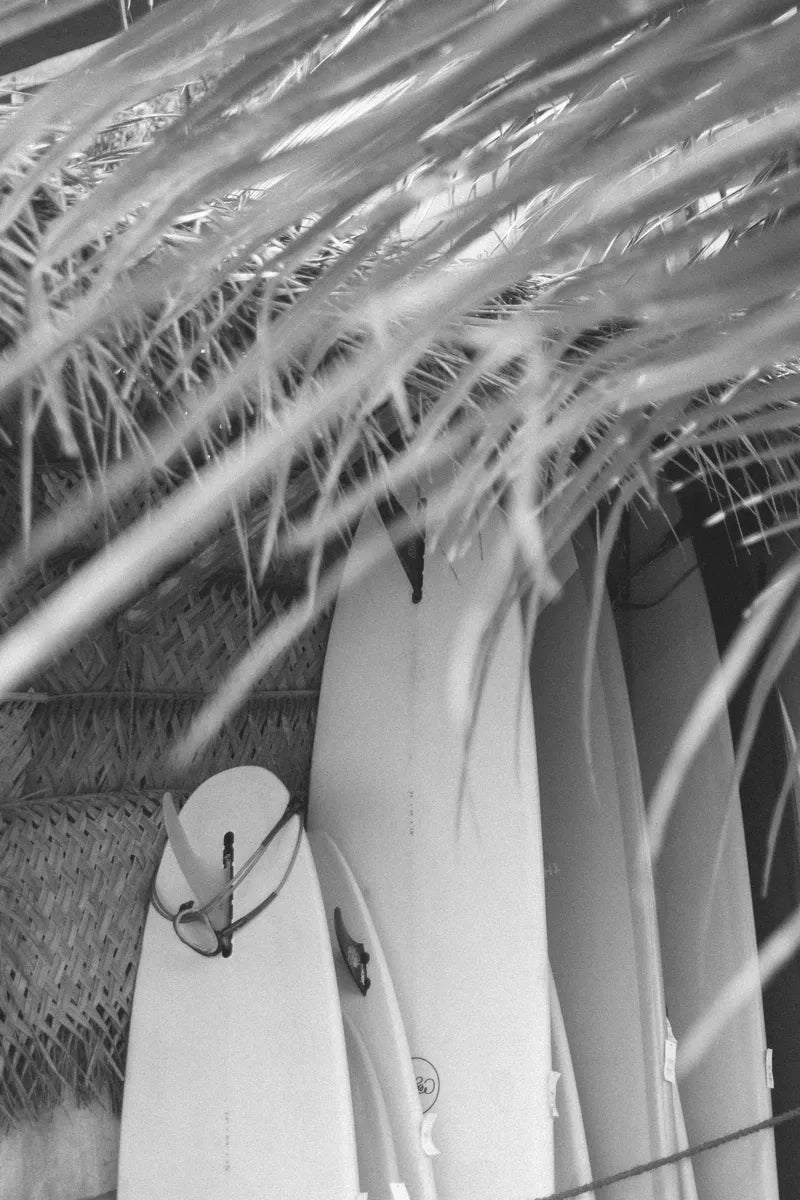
(550, 243)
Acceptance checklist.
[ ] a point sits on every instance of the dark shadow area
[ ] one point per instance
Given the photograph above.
(101, 21)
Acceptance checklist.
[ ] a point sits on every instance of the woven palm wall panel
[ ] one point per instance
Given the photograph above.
(85, 755)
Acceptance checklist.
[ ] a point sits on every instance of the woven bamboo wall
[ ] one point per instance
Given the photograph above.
(84, 759)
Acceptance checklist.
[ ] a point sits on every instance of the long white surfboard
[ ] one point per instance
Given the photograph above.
(377, 1043)
(454, 886)
(600, 963)
(236, 1080)
(572, 1166)
(666, 1115)
(378, 1170)
(702, 884)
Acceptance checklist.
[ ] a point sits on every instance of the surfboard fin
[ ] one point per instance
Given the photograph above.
(205, 881)
(411, 550)
(353, 953)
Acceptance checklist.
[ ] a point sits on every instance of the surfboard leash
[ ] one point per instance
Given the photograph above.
(596, 1185)
(212, 941)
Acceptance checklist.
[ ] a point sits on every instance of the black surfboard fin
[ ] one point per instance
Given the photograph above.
(227, 865)
(353, 953)
(411, 550)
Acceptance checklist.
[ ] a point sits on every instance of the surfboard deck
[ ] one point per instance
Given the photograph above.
(395, 1114)
(454, 885)
(702, 883)
(236, 1077)
(594, 936)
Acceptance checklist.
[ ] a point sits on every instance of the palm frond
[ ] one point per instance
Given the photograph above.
(552, 244)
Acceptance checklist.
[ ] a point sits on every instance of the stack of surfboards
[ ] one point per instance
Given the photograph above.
(601, 919)
(632, 948)
(702, 884)
(391, 1024)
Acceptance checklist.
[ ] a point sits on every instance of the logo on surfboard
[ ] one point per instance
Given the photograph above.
(427, 1082)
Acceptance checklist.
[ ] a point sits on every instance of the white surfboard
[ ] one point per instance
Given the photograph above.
(702, 884)
(665, 1109)
(572, 1166)
(378, 1170)
(454, 887)
(602, 964)
(236, 1079)
(66, 1154)
(390, 1146)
